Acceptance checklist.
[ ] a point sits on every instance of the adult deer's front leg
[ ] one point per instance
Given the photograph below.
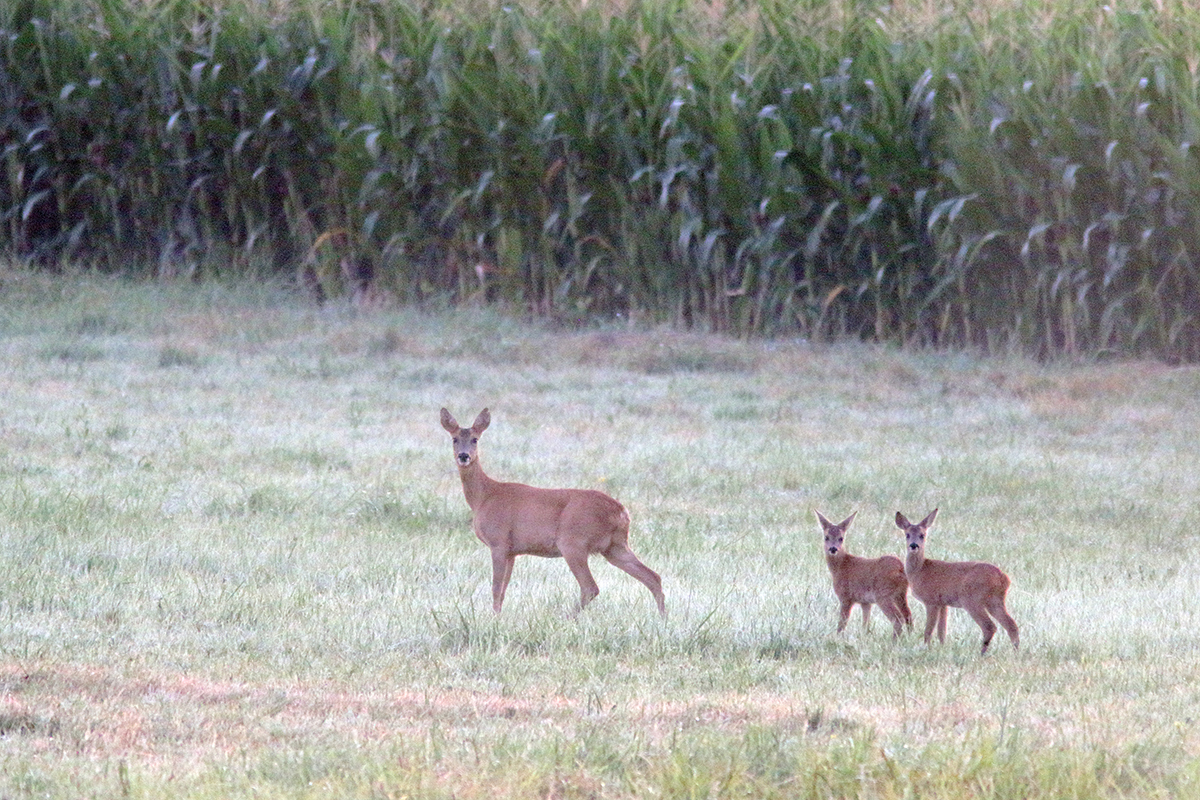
(502, 564)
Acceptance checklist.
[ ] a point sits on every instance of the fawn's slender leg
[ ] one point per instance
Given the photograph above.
(1001, 614)
(844, 617)
(892, 612)
(943, 615)
(932, 613)
(985, 624)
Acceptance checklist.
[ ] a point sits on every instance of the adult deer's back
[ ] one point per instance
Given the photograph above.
(514, 519)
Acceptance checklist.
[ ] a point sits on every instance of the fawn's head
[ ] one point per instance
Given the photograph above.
(914, 535)
(466, 440)
(835, 534)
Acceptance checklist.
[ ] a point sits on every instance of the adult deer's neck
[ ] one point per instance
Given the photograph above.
(475, 483)
(913, 561)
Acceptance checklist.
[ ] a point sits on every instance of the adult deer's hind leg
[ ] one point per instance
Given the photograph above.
(577, 560)
(621, 557)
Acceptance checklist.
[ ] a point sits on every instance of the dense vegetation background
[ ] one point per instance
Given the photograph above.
(1001, 175)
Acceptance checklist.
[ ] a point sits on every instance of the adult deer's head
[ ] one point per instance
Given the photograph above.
(466, 440)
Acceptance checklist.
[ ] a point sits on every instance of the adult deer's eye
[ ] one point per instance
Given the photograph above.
(475, 441)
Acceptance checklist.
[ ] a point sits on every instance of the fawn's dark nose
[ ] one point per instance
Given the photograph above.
(912, 546)
(832, 551)
(463, 458)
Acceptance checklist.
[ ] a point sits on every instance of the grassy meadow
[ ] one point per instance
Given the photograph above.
(235, 559)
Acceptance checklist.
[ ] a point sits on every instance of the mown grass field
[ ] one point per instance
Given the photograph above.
(235, 560)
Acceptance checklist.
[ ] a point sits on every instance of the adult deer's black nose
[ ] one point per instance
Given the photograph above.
(832, 550)
(463, 458)
(912, 546)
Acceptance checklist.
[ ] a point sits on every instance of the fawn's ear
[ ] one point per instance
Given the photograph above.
(449, 423)
(925, 523)
(481, 422)
(846, 522)
(824, 522)
(901, 521)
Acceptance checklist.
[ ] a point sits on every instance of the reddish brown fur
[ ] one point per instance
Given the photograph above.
(977, 587)
(513, 519)
(865, 580)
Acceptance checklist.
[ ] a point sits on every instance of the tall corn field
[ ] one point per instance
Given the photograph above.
(1003, 175)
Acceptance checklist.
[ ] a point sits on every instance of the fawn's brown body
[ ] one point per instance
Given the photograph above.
(975, 586)
(513, 519)
(865, 580)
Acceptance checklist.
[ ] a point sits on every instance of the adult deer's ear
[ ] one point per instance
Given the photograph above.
(481, 422)
(449, 423)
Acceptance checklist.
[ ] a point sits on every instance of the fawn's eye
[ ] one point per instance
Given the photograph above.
(474, 440)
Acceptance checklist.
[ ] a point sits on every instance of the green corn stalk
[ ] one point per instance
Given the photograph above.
(995, 177)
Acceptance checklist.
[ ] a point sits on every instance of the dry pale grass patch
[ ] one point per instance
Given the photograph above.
(173, 719)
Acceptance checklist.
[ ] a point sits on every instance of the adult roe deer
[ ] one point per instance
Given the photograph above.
(513, 519)
(978, 587)
(865, 580)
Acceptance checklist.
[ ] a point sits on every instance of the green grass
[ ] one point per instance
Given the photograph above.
(235, 560)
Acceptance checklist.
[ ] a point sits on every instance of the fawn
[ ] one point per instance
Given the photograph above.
(865, 580)
(972, 585)
(513, 519)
